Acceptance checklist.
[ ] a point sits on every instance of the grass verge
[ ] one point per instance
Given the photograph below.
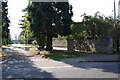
(33, 50)
(62, 55)
(6, 46)
(30, 45)
(101, 61)
(115, 53)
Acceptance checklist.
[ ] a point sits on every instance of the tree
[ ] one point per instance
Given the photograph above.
(26, 36)
(93, 27)
(115, 32)
(0, 24)
(5, 24)
(97, 26)
(78, 30)
(42, 16)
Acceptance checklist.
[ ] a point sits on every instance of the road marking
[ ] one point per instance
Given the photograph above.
(68, 66)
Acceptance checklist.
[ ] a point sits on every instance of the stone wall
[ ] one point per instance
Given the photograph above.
(64, 43)
(102, 45)
(59, 43)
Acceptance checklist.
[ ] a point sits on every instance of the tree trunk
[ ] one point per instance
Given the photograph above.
(41, 42)
(117, 45)
(116, 41)
(49, 42)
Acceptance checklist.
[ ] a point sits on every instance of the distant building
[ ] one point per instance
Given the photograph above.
(15, 36)
(14, 41)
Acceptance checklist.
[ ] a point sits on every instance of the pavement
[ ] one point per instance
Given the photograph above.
(90, 56)
(17, 48)
(37, 67)
(94, 57)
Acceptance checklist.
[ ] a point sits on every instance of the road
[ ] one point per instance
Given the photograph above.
(37, 67)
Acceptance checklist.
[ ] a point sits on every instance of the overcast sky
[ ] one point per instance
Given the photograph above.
(79, 7)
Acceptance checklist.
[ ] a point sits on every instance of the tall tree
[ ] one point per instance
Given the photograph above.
(0, 24)
(5, 24)
(26, 36)
(93, 26)
(50, 19)
(97, 26)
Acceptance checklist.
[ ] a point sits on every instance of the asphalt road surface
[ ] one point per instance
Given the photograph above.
(37, 67)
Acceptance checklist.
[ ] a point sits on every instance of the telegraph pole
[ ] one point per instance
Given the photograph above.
(119, 9)
(116, 41)
(114, 14)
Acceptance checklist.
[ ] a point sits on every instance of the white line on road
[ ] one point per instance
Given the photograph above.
(68, 66)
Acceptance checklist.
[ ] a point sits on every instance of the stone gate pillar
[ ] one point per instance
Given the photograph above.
(70, 45)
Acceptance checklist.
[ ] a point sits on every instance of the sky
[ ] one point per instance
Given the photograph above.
(90, 7)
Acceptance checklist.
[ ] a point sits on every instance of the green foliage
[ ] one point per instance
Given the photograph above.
(93, 26)
(5, 24)
(42, 16)
(97, 26)
(26, 36)
(78, 30)
(63, 55)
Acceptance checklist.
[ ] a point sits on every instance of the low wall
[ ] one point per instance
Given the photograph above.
(59, 43)
(64, 43)
(102, 45)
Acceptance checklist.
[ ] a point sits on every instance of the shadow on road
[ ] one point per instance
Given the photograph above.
(16, 69)
(104, 66)
(21, 68)
(112, 67)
